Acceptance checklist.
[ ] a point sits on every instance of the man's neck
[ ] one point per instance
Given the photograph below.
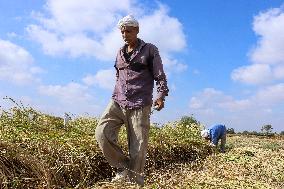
(132, 46)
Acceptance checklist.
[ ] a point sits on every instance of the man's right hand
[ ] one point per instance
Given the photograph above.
(159, 104)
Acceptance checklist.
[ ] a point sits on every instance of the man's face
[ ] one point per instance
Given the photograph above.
(129, 34)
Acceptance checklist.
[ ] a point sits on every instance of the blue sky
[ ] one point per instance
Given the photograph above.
(224, 59)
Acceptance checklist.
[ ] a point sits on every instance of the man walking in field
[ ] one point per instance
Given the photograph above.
(138, 65)
(214, 134)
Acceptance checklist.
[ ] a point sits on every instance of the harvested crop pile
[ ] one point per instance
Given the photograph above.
(37, 151)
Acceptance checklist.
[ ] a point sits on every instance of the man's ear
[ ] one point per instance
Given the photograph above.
(137, 29)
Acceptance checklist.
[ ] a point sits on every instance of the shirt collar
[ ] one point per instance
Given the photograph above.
(140, 42)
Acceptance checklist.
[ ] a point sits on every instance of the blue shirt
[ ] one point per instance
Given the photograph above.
(216, 133)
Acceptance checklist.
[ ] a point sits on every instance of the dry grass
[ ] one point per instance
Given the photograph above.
(36, 151)
(256, 163)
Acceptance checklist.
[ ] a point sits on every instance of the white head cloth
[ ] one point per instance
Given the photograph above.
(205, 133)
(128, 20)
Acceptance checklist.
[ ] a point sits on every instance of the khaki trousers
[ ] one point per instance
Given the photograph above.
(137, 124)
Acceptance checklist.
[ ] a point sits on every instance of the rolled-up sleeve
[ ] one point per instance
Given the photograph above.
(159, 74)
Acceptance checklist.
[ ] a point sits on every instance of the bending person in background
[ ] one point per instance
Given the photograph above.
(214, 134)
(138, 65)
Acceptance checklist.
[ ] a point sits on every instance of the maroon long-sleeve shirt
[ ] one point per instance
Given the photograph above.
(136, 74)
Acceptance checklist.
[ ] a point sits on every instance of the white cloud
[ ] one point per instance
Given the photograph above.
(16, 64)
(271, 95)
(89, 28)
(253, 74)
(196, 72)
(210, 99)
(267, 57)
(270, 27)
(49, 41)
(70, 93)
(79, 28)
(166, 32)
(103, 78)
(74, 44)
(109, 45)
(12, 35)
(264, 98)
(77, 16)
(278, 71)
(173, 65)
(213, 106)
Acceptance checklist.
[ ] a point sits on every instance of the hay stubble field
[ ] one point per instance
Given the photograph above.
(37, 151)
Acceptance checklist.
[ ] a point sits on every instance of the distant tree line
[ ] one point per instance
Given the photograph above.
(266, 130)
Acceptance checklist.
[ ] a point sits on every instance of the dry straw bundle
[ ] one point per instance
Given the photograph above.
(37, 151)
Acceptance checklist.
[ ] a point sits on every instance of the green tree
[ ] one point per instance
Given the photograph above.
(188, 120)
(230, 131)
(267, 129)
(255, 133)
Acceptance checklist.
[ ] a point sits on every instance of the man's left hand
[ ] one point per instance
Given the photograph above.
(159, 103)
